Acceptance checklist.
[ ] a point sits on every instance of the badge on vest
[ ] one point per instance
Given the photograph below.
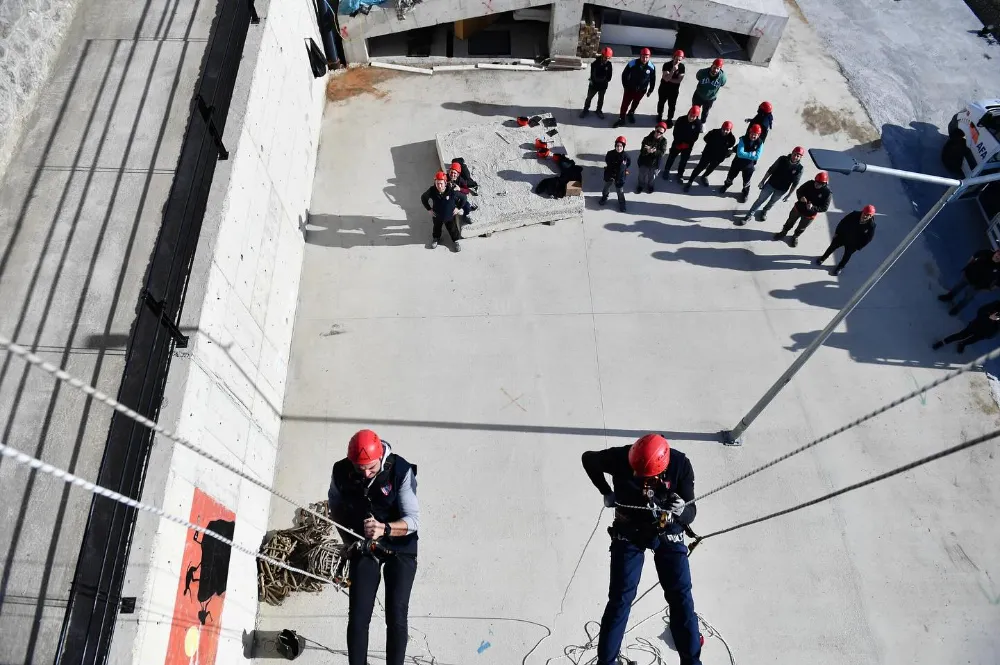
(386, 489)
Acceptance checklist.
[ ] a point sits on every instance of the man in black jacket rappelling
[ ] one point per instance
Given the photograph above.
(373, 492)
(651, 485)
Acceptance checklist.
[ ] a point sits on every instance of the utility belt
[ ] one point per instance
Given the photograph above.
(639, 534)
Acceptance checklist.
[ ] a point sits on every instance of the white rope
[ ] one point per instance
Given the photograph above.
(66, 377)
(69, 478)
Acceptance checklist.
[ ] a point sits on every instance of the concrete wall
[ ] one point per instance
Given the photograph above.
(225, 391)
(31, 34)
(763, 20)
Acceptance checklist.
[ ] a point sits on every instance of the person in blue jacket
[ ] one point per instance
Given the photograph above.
(638, 78)
(748, 151)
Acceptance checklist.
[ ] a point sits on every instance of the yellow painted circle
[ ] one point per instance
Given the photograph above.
(191, 641)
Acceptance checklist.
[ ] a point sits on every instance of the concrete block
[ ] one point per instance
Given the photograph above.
(504, 163)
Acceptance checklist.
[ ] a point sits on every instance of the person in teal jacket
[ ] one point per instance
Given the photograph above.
(710, 81)
(748, 151)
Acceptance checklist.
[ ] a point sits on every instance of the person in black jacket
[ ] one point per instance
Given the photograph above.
(687, 129)
(443, 200)
(853, 233)
(986, 325)
(719, 144)
(616, 164)
(373, 492)
(814, 198)
(652, 492)
(764, 118)
(638, 78)
(982, 272)
(650, 153)
(600, 77)
(670, 86)
(781, 179)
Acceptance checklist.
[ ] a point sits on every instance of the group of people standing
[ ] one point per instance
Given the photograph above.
(780, 181)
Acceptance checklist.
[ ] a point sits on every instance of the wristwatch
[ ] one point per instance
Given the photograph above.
(388, 530)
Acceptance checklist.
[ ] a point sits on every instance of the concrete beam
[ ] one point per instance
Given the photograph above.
(765, 37)
(564, 27)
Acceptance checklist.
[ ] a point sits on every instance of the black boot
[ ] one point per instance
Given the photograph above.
(947, 297)
(937, 345)
(687, 186)
(600, 114)
(618, 123)
(725, 186)
(584, 112)
(631, 118)
(742, 198)
(703, 180)
(794, 240)
(603, 200)
(779, 235)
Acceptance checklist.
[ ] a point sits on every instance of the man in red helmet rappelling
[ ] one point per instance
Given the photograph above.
(373, 492)
(651, 485)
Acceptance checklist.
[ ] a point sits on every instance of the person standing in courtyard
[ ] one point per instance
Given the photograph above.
(616, 164)
(986, 325)
(719, 144)
(710, 81)
(651, 485)
(748, 151)
(764, 119)
(813, 198)
(650, 154)
(600, 76)
(853, 233)
(981, 273)
(670, 86)
(687, 129)
(780, 180)
(373, 492)
(444, 202)
(638, 79)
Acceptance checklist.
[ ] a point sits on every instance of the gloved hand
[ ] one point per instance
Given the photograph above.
(677, 506)
(785, 199)
(609, 500)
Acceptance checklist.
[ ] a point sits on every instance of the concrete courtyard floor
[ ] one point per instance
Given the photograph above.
(495, 368)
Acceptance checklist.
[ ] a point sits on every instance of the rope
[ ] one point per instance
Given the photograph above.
(65, 377)
(850, 488)
(71, 479)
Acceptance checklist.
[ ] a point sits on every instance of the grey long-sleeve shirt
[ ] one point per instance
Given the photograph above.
(408, 505)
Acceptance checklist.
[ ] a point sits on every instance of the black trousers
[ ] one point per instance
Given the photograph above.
(743, 167)
(591, 91)
(450, 224)
(400, 569)
(674, 152)
(970, 334)
(795, 215)
(668, 97)
(705, 104)
(706, 164)
(836, 242)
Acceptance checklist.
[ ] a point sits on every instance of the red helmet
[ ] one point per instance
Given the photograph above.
(645, 51)
(440, 175)
(727, 125)
(868, 210)
(649, 456)
(695, 111)
(765, 107)
(365, 447)
(754, 130)
(718, 62)
(822, 176)
(799, 150)
(607, 52)
(455, 166)
(679, 53)
(661, 125)
(621, 139)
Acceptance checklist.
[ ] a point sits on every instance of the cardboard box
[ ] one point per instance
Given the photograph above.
(574, 188)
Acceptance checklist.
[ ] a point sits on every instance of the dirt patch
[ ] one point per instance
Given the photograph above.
(825, 121)
(982, 396)
(358, 81)
(793, 8)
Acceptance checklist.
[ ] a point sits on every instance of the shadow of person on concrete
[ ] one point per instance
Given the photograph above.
(346, 231)
(824, 293)
(562, 114)
(676, 234)
(735, 258)
(414, 166)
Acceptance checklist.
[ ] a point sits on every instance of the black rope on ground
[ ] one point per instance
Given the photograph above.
(850, 488)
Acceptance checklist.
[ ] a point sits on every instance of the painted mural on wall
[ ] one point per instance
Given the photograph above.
(201, 589)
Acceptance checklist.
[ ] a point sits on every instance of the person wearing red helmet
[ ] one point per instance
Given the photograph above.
(650, 153)
(652, 491)
(748, 150)
(670, 85)
(814, 198)
(373, 492)
(981, 273)
(986, 325)
(687, 129)
(600, 76)
(764, 118)
(719, 144)
(638, 79)
(616, 164)
(460, 177)
(710, 81)
(443, 202)
(853, 233)
(782, 178)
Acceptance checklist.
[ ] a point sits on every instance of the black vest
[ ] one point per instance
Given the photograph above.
(642, 525)
(380, 499)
